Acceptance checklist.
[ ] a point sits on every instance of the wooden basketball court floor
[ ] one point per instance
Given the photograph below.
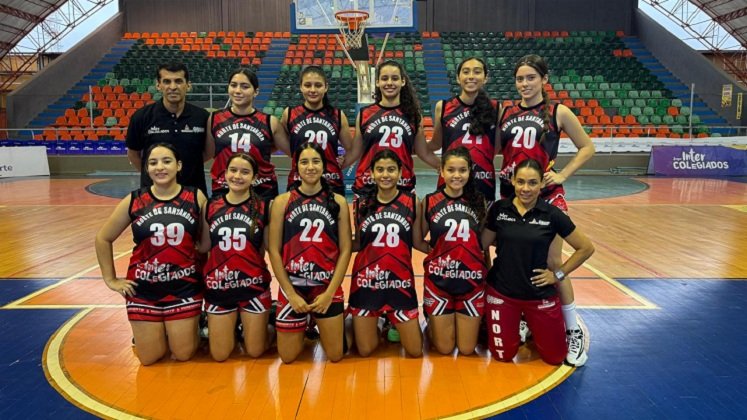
(664, 299)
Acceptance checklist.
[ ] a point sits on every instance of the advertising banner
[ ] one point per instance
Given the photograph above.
(698, 161)
(23, 161)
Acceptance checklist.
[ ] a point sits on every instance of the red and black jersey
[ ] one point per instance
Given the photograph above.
(521, 129)
(320, 126)
(382, 277)
(250, 134)
(385, 128)
(456, 263)
(235, 269)
(455, 128)
(164, 260)
(310, 239)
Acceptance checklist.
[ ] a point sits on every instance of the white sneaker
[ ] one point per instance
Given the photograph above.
(524, 332)
(577, 355)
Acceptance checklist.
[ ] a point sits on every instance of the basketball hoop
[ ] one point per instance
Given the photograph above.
(352, 24)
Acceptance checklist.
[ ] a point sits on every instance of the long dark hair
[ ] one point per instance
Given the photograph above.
(408, 99)
(367, 198)
(320, 72)
(540, 65)
(473, 198)
(169, 146)
(254, 215)
(331, 204)
(249, 73)
(482, 114)
(531, 164)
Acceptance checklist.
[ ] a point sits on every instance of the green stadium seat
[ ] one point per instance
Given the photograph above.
(685, 110)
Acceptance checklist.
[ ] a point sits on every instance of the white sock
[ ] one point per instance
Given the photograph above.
(569, 315)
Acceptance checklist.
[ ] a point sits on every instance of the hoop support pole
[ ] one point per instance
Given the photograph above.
(383, 48)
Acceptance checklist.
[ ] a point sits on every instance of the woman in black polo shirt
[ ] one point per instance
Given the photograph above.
(522, 229)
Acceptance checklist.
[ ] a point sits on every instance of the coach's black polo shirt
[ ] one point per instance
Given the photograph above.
(155, 124)
(522, 244)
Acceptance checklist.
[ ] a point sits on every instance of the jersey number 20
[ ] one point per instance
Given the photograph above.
(524, 137)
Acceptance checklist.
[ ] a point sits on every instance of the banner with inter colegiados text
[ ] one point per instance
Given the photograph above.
(698, 161)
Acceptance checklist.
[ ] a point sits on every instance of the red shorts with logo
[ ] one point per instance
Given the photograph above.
(544, 318)
(288, 320)
(256, 305)
(394, 316)
(161, 311)
(438, 302)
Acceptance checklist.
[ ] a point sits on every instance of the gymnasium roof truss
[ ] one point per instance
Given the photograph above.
(29, 28)
(719, 25)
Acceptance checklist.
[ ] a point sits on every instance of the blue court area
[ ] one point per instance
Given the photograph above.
(577, 188)
(684, 359)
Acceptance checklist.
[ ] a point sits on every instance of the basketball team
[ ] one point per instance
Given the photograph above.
(196, 255)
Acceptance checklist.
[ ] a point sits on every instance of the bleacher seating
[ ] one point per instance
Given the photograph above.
(593, 73)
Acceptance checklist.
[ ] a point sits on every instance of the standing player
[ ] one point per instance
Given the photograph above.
(316, 120)
(469, 120)
(309, 246)
(175, 121)
(521, 281)
(387, 227)
(242, 128)
(454, 269)
(392, 123)
(236, 275)
(163, 286)
(531, 129)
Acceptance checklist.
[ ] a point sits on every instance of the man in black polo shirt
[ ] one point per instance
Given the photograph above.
(172, 120)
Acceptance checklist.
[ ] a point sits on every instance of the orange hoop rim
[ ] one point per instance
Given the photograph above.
(353, 18)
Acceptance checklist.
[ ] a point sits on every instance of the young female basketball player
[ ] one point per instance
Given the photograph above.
(531, 129)
(454, 268)
(163, 286)
(309, 246)
(393, 123)
(243, 128)
(387, 222)
(236, 275)
(523, 229)
(316, 120)
(469, 120)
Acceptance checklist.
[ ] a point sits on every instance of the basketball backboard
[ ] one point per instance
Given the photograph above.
(318, 16)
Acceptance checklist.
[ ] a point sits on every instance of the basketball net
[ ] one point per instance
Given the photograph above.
(352, 25)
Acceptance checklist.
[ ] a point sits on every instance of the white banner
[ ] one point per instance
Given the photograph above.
(23, 161)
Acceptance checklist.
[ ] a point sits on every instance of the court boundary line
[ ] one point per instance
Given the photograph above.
(16, 304)
(647, 304)
(543, 386)
(58, 378)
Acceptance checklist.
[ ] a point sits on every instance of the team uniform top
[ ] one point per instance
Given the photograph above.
(164, 260)
(521, 129)
(250, 134)
(383, 278)
(320, 126)
(455, 128)
(522, 244)
(456, 263)
(154, 124)
(385, 128)
(310, 239)
(235, 270)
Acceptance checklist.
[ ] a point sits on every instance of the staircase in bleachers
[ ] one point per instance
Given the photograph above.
(614, 85)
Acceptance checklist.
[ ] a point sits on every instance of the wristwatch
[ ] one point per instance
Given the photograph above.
(560, 275)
